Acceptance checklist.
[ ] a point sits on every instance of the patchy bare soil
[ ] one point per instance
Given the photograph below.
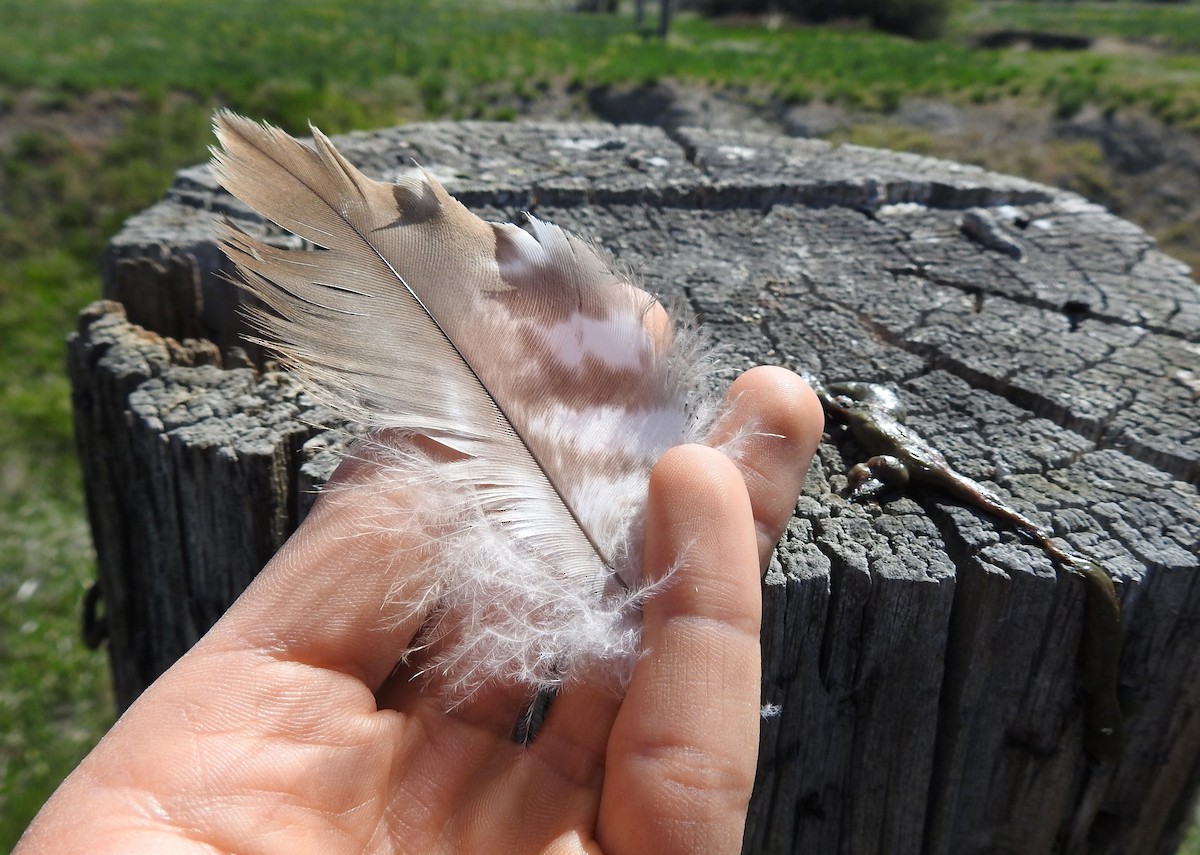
(89, 121)
(1139, 167)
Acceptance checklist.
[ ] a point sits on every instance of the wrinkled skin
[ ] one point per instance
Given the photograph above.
(289, 729)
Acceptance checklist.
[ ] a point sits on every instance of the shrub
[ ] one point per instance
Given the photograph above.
(920, 19)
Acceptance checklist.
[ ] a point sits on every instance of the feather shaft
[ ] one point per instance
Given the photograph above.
(522, 350)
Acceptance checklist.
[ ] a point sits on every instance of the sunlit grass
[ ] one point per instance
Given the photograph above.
(55, 698)
(1175, 25)
(309, 60)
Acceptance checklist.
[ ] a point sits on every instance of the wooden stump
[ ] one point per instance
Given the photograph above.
(924, 657)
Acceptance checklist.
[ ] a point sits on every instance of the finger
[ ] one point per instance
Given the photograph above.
(323, 599)
(494, 708)
(772, 424)
(574, 737)
(682, 752)
(778, 421)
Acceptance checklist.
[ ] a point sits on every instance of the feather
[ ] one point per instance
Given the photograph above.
(547, 374)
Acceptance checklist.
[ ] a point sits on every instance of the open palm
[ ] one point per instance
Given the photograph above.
(289, 729)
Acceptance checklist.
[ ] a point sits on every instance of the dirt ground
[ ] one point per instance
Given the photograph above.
(1139, 167)
(1134, 164)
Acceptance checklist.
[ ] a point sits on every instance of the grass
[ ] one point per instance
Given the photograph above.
(1172, 25)
(308, 59)
(101, 101)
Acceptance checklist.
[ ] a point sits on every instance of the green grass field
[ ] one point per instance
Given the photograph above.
(101, 101)
(1174, 25)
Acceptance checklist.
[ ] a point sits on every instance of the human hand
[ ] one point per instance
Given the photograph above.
(288, 728)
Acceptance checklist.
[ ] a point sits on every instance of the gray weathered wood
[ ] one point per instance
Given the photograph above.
(924, 658)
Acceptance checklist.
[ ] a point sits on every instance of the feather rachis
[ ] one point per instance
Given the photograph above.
(539, 629)
(554, 380)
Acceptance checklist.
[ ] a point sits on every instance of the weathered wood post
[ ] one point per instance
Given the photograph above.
(924, 657)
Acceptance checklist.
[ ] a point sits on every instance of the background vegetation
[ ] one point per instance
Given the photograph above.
(101, 101)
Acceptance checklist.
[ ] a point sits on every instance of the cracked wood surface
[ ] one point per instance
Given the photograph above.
(923, 655)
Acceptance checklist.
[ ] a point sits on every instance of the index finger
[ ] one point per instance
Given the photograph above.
(682, 753)
(325, 597)
(772, 424)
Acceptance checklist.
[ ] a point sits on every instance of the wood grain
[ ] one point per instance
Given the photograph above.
(925, 657)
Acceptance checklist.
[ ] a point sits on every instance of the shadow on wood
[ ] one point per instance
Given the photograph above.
(925, 659)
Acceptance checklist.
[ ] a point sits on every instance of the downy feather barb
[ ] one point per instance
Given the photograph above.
(554, 382)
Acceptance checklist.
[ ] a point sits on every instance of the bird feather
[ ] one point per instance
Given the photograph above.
(548, 376)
